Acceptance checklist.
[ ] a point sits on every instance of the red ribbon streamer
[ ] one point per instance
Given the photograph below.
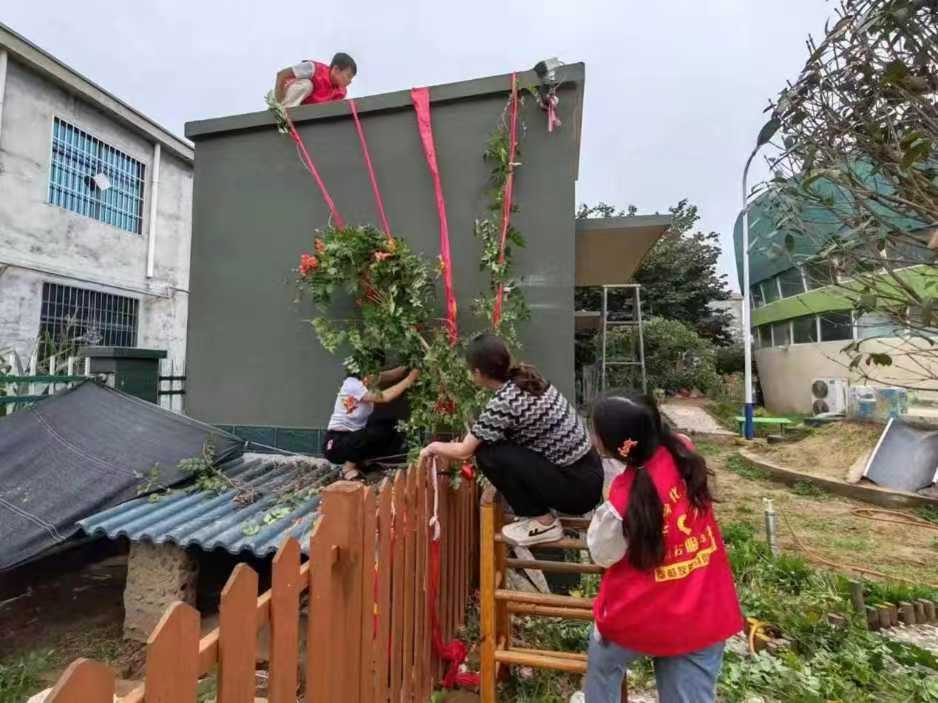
(421, 100)
(506, 199)
(304, 155)
(455, 651)
(552, 119)
(379, 203)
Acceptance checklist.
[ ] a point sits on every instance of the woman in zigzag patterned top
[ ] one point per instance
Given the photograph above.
(530, 443)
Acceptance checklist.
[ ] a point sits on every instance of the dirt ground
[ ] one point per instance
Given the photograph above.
(828, 452)
(65, 606)
(824, 523)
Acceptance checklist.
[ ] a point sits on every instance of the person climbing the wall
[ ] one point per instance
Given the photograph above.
(353, 436)
(668, 590)
(311, 82)
(530, 443)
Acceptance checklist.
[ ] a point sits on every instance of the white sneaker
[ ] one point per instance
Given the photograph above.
(525, 532)
(578, 697)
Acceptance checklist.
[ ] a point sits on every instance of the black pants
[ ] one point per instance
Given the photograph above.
(534, 486)
(379, 438)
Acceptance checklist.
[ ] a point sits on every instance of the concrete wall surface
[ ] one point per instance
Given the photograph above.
(253, 359)
(786, 373)
(41, 242)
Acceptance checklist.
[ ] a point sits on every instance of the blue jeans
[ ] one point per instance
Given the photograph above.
(688, 678)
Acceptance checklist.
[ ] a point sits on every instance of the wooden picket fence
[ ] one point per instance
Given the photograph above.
(368, 627)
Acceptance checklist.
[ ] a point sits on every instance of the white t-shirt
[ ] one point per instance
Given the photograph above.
(304, 69)
(351, 413)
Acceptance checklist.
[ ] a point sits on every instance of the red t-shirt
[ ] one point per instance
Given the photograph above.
(687, 603)
(323, 89)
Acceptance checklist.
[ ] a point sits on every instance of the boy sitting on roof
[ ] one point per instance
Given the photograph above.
(312, 82)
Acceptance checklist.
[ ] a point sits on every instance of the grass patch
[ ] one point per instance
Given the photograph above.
(807, 489)
(741, 467)
(207, 689)
(875, 592)
(708, 449)
(927, 512)
(824, 662)
(19, 677)
(851, 544)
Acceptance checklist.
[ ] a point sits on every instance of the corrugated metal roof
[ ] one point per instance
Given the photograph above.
(212, 521)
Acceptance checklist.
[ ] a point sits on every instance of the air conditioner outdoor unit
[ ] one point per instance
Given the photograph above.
(829, 396)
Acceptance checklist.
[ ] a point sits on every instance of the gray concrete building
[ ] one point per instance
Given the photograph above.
(95, 213)
(254, 364)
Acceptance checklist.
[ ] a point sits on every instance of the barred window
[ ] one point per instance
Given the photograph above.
(73, 317)
(95, 179)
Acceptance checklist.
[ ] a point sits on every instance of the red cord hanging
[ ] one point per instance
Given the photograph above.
(455, 651)
(506, 198)
(421, 100)
(379, 203)
(311, 167)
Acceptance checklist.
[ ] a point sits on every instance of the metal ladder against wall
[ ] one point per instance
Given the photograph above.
(630, 317)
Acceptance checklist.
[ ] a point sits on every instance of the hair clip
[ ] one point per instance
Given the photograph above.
(627, 447)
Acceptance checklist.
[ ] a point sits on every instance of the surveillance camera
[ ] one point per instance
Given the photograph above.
(546, 70)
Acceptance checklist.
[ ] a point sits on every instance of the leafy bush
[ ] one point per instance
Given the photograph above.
(824, 661)
(676, 357)
(19, 677)
(730, 359)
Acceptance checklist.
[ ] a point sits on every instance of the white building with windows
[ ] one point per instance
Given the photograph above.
(95, 213)
(803, 321)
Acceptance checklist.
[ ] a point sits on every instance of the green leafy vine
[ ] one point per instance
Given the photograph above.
(378, 299)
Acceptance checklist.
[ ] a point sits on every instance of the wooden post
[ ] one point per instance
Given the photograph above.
(338, 578)
(906, 613)
(84, 681)
(856, 596)
(503, 622)
(410, 556)
(422, 653)
(929, 610)
(397, 589)
(284, 623)
(368, 576)
(382, 664)
(237, 640)
(893, 614)
(872, 618)
(920, 612)
(173, 657)
(320, 616)
(487, 587)
(885, 617)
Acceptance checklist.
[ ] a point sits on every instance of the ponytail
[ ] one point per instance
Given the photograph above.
(528, 379)
(632, 430)
(691, 466)
(644, 523)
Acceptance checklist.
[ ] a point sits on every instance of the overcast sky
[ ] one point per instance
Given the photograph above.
(674, 90)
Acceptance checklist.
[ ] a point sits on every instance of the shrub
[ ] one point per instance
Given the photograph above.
(730, 359)
(676, 357)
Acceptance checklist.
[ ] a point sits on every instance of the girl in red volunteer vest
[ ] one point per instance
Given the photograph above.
(668, 591)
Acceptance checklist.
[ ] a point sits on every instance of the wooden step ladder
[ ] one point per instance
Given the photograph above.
(497, 603)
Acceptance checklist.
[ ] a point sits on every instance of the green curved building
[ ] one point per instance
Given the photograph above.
(803, 315)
